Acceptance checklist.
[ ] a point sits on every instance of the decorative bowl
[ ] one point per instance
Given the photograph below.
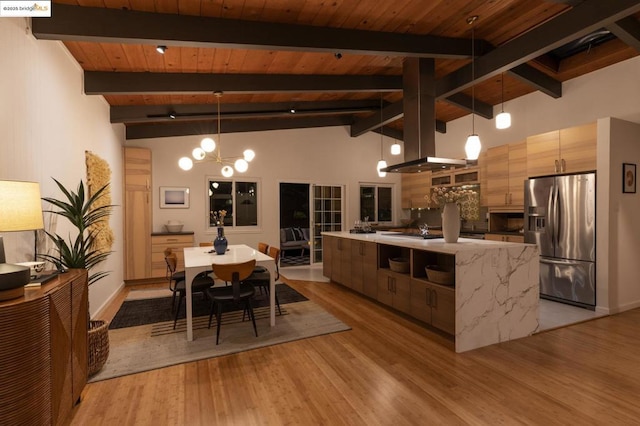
(399, 264)
(174, 227)
(440, 274)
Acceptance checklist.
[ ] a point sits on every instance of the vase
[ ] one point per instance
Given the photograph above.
(220, 243)
(451, 222)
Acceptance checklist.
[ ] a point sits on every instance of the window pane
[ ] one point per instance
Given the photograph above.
(220, 198)
(367, 203)
(384, 204)
(246, 204)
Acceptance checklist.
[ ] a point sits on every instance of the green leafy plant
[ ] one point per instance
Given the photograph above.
(83, 213)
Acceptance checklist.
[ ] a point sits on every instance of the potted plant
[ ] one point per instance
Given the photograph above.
(84, 213)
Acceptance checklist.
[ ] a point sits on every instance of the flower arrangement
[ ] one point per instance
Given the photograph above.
(441, 195)
(217, 217)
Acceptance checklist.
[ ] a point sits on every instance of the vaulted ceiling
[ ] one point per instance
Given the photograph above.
(334, 62)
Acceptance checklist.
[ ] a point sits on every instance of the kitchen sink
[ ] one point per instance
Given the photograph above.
(411, 234)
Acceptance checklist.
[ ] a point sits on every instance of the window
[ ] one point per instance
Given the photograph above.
(376, 203)
(238, 198)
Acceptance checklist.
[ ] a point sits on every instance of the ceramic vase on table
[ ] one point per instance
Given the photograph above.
(451, 222)
(220, 243)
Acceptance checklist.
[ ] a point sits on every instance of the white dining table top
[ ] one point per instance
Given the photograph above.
(237, 253)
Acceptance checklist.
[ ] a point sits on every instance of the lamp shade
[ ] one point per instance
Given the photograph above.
(503, 120)
(20, 206)
(381, 165)
(396, 149)
(472, 147)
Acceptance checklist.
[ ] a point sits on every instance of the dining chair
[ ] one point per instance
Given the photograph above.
(262, 279)
(262, 248)
(177, 283)
(238, 293)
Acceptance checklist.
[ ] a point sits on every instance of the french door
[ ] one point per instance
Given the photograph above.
(327, 215)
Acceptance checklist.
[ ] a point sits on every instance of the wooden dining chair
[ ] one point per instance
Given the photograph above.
(237, 294)
(262, 279)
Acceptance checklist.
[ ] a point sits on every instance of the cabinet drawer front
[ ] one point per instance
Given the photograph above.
(172, 239)
(176, 247)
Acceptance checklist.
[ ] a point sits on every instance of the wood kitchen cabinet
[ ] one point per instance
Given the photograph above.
(137, 213)
(394, 289)
(364, 261)
(337, 257)
(433, 304)
(176, 242)
(414, 188)
(506, 173)
(562, 151)
(505, 238)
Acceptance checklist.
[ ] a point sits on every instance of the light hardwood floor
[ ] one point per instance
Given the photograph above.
(389, 370)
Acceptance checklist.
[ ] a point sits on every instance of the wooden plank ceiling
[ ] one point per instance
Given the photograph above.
(333, 61)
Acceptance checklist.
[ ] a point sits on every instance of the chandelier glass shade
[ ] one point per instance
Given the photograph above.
(209, 150)
(396, 149)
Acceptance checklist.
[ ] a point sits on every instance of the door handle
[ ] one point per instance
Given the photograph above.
(557, 165)
(505, 198)
(510, 198)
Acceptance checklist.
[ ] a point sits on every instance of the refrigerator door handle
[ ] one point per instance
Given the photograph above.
(550, 215)
(559, 262)
(556, 215)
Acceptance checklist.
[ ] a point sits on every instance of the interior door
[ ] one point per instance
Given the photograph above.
(327, 215)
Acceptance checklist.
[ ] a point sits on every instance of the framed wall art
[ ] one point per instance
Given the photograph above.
(174, 197)
(628, 178)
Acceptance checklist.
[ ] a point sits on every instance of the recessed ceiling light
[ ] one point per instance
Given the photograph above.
(161, 49)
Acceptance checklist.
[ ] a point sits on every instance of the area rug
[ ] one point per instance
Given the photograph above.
(137, 311)
(293, 260)
(137, 349)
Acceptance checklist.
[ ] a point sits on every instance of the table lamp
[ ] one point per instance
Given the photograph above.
(20, 210)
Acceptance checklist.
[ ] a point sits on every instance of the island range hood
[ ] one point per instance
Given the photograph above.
(419, 105)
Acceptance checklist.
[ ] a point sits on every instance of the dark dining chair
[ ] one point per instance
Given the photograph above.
(238, 293)
(177, 283)
(262, 279)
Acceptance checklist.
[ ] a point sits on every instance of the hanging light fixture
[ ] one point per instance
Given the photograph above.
(396, 149)
(503, 120)
(473, 146)
(381, 164)
(207, 152)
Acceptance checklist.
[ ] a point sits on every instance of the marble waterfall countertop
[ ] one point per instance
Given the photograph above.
(496, 285)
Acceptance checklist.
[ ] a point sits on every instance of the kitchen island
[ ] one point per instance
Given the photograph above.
(492, 297)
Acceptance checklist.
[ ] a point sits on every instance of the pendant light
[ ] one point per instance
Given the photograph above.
(207, 152)
(503, 120)
(473, 146)
(381, 164)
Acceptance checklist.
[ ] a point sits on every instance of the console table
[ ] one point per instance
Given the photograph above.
(43, 351)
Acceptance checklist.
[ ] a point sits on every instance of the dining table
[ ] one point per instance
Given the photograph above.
(200, 259)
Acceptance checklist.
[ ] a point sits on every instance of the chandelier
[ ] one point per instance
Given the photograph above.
(210, 151)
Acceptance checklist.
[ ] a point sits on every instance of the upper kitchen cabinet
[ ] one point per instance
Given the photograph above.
(506, 171)
(414, 188)
(562, 151)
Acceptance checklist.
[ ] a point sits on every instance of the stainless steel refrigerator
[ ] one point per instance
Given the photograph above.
(560, 217)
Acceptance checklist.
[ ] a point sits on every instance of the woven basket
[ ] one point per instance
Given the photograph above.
(440, 275)
(399, 264)
(98, 345)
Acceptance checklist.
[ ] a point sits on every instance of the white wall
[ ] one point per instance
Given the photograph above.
(325, 156)
(46, 124)
(618, 278)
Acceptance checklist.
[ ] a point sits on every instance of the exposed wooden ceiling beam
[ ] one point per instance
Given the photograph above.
(143, 131)
(471, 105)
(131, 27)
(627, 30)
(536, 78)
(197, 112)
(389, 114)
(103, 83)
(392, 133)
(579, 21)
